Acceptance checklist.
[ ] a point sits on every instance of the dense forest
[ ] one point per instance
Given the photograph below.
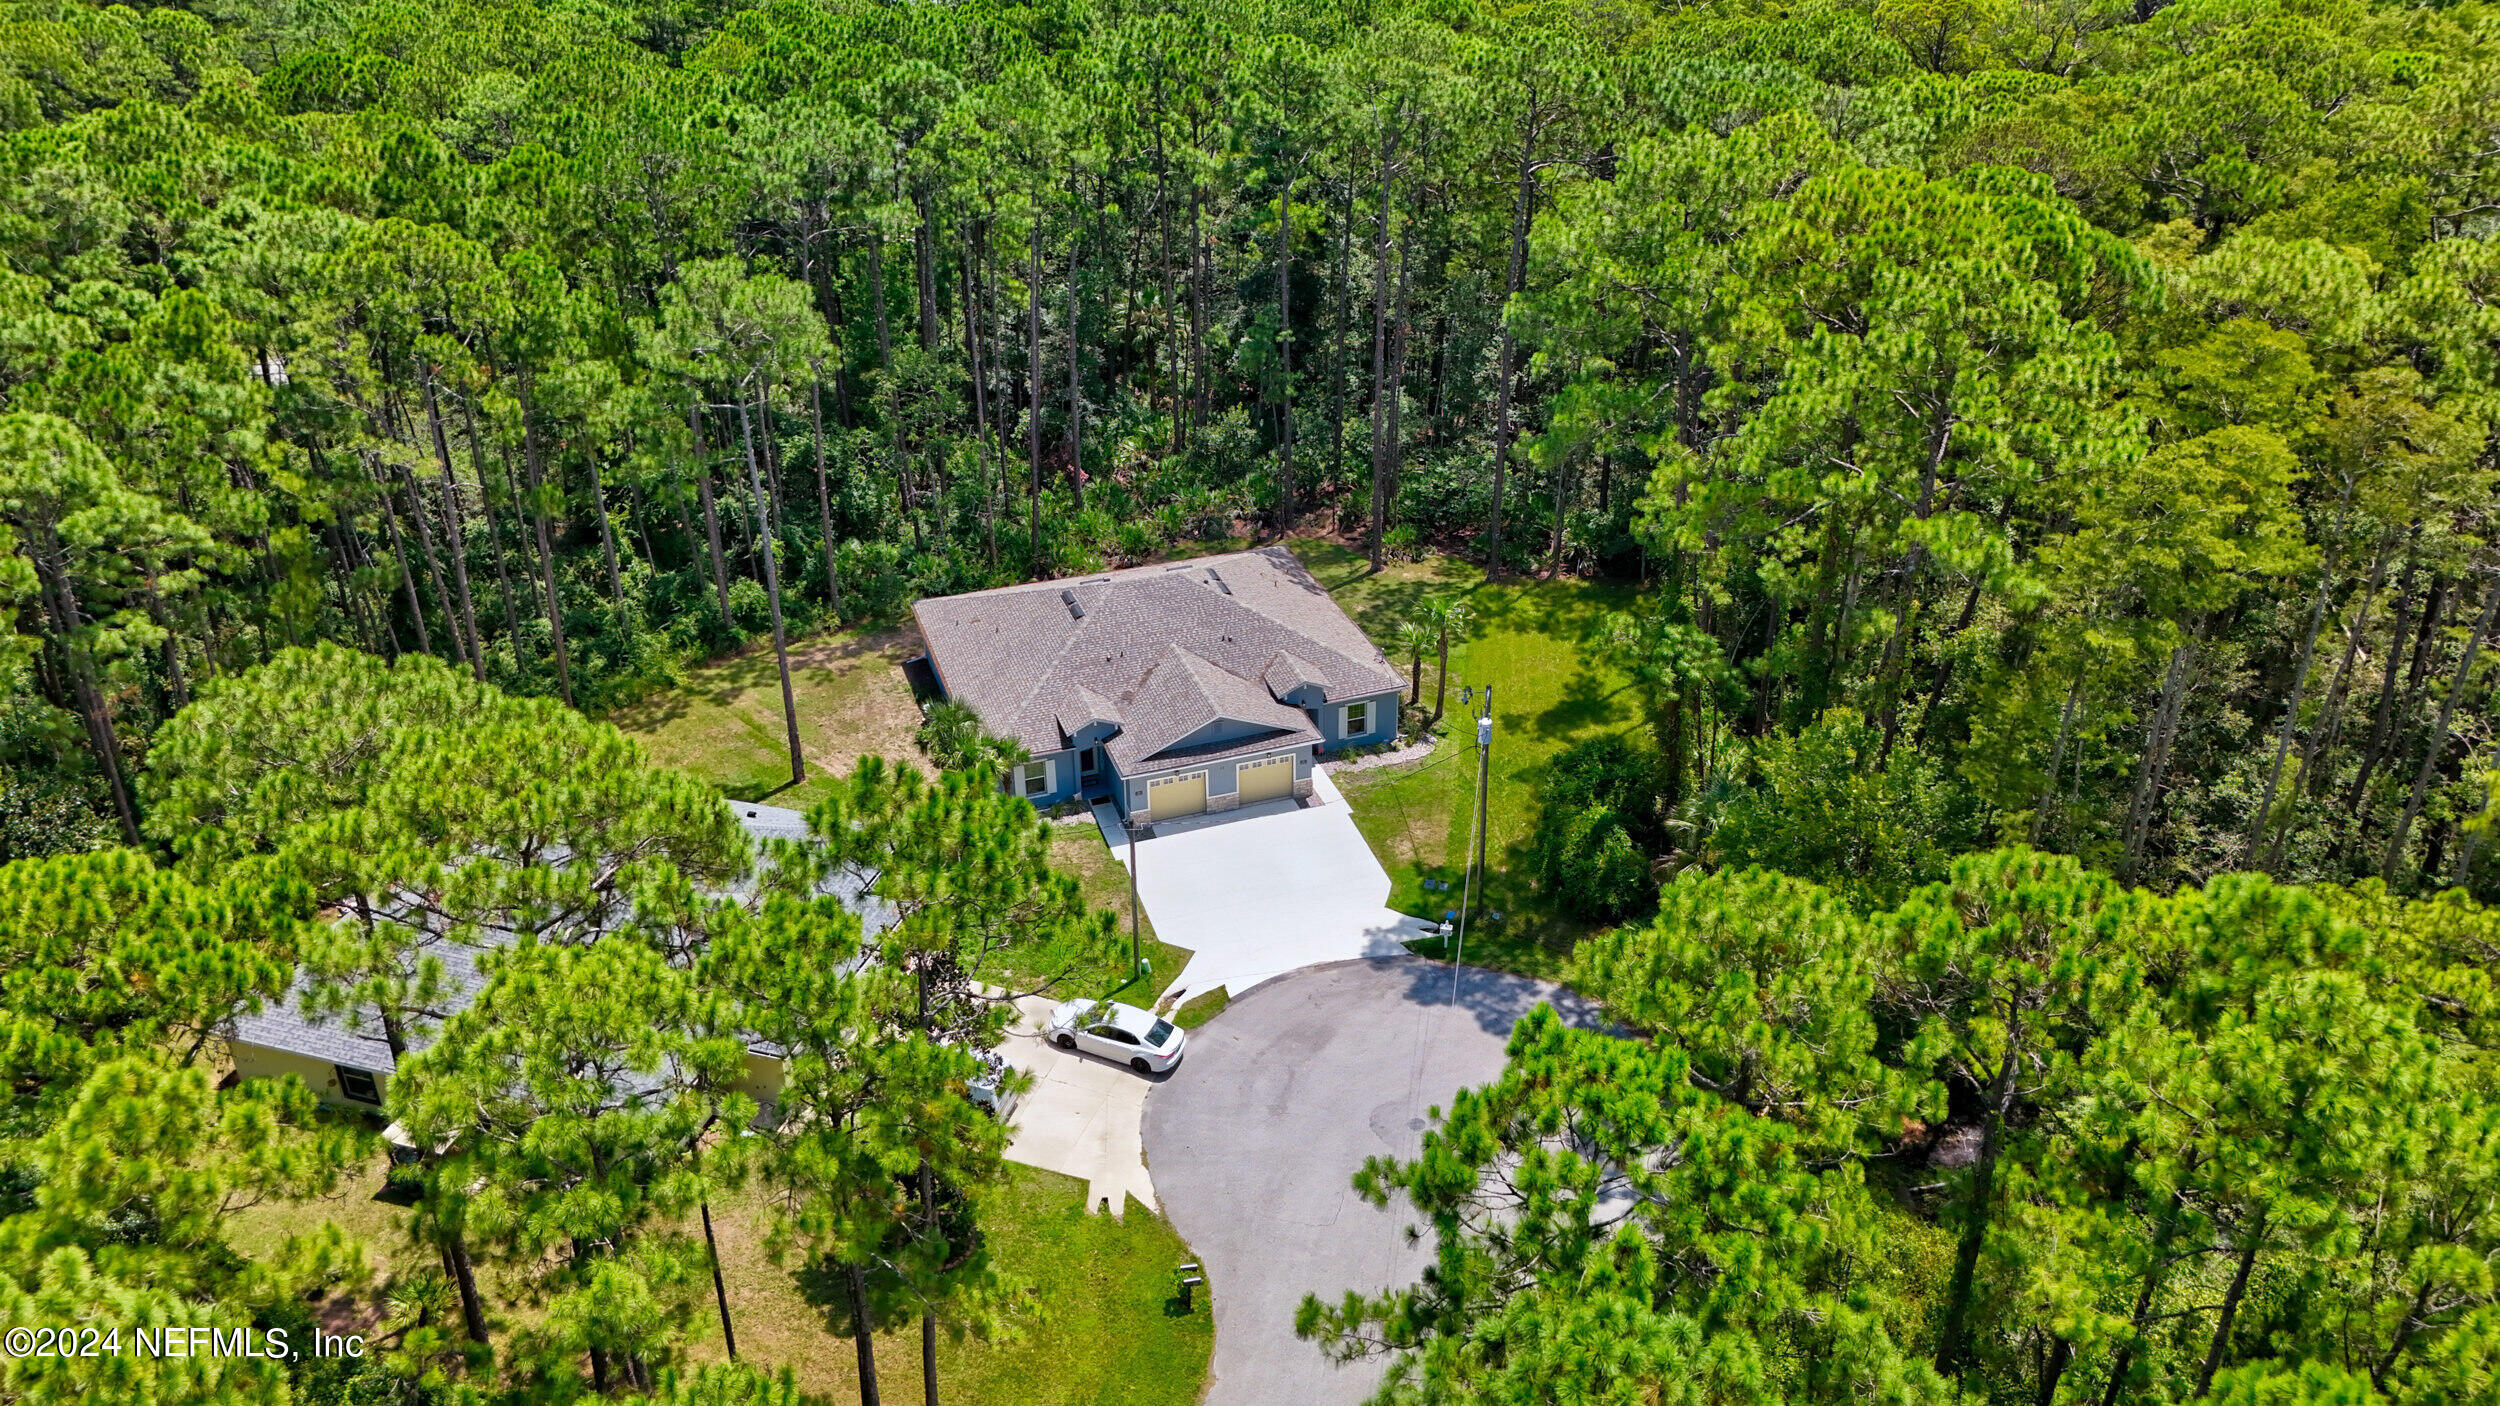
(2048, 447)
(2092, 403)
(2028, 1135)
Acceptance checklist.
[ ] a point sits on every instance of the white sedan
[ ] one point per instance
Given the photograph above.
(1139, 1039)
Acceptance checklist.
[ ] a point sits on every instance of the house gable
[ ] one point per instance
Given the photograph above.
(1222, 729)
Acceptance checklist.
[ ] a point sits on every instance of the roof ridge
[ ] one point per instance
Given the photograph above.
(1030, 698)
(1236, 604)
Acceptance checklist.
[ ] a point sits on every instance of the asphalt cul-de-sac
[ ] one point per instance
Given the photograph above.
(1256, 1138)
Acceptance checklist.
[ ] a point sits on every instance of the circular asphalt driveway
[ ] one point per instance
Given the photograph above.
(1254, 1141)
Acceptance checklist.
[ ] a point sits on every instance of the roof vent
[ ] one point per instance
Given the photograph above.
(1219, 581)
(1068, 599)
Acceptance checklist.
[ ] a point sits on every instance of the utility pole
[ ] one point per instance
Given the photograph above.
(1133, 957)
(1484, 762)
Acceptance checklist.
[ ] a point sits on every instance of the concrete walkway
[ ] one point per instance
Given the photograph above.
(1081, 1117)
(1256, 894)
(1114, 832)
(1282, 1098)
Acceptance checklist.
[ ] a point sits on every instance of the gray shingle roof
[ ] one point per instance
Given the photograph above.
(1183, 694)
(1285, 673)
(1021, 658)
(359, 1044)
(1082, 708)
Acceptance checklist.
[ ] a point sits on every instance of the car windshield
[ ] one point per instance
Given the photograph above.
(1161, 1033)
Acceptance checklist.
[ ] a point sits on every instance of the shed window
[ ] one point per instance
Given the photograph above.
(359, 1084)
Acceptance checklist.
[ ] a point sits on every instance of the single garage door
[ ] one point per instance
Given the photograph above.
(1267, 778)
(1168, 796)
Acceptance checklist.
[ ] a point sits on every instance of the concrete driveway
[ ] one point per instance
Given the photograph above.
(1081, 1117)
(1281, 1099)
(1254, 896)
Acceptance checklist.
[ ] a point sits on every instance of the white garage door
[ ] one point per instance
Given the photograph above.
(1168, 796)
(1266, 778)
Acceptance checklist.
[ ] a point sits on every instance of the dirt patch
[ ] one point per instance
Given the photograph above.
(854, 699)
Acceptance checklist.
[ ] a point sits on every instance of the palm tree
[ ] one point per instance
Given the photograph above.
(1414, 636)
(1444, 616)
(951, 736)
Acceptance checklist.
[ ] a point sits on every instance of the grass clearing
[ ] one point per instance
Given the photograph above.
(1088, 1318)
(724, 722)
(1077, 848)
(1528, 639)
(362, 1207)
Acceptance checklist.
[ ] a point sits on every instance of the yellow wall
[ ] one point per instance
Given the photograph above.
(260, 1062)
(763, 1084)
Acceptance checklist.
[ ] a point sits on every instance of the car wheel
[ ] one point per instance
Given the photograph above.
(1065, 1042)
(1140, 1065)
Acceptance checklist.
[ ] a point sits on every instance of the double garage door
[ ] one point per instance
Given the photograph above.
(1261, 780)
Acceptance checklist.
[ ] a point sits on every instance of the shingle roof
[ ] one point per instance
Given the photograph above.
(285, 1026)
(1285, 673)
(1021, 658)
(1182, 694)
(1082, 708)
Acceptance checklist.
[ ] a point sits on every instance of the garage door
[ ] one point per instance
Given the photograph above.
(1176, 795)
(1267, 778)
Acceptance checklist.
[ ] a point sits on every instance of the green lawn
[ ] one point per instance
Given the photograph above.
(1088, 1318)
(1527, 639)
(724, 723)
(1078, 849)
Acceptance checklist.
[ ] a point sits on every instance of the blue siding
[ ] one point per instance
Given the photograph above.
(1330, 719)
(1063, 784)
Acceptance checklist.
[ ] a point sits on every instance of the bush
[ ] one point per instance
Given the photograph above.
(1593, 871)
(875, 585)
(1824, 812)
(749, 606)
(1135, 542)
(1598, 827)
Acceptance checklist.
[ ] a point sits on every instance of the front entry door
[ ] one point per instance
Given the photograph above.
(1168, 796)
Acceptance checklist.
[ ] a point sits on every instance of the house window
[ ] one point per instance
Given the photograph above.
(359, 1084)
(1358, 718)
(1033, 778)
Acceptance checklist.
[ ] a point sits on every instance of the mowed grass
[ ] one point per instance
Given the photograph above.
(1077, 848)
(1529, 639)
(1088, 1316)
(724, 723)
